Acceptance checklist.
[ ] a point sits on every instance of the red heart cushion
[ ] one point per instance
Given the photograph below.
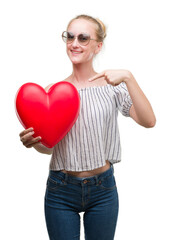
(52, 114)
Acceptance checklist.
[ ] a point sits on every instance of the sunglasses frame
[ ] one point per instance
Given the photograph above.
(65, 38)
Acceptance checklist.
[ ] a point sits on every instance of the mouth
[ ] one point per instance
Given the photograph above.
(76, 52)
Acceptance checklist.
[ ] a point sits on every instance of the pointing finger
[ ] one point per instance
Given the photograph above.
(96, 76)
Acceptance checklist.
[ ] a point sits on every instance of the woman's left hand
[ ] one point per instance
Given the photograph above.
(113, 77)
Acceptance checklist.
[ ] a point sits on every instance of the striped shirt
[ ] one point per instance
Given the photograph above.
(94, 138)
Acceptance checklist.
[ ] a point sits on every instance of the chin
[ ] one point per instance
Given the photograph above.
(76, 61)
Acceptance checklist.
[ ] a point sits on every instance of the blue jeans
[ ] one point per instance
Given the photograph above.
(66, 196)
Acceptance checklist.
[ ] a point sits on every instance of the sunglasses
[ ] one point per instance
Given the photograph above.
(83, 38)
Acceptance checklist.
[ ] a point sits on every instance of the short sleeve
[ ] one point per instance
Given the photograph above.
(123, 99)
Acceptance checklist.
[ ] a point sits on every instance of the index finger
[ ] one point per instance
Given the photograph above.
(98, 75)
(25, 131)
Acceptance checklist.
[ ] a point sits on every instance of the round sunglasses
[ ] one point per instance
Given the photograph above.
(83, 38)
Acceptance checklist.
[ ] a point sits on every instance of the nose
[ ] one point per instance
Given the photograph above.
(75, 43)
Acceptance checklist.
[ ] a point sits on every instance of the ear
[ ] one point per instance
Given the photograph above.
(98, 47)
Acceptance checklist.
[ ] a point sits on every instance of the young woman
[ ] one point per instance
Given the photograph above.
(81, 175)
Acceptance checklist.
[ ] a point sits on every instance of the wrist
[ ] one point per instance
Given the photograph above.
(128, 77)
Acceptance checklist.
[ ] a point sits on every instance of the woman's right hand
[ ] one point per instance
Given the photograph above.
(27, 139)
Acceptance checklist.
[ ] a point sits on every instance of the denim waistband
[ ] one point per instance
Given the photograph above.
(76, 180)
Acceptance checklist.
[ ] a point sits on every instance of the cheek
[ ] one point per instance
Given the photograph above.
(67, 49)
(91, 55)
(68, 52)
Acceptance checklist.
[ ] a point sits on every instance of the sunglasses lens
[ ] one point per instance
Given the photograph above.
(70, 37)
(67, 37)
(84, 38)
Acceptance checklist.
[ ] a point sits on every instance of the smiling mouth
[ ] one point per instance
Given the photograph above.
(75, 52)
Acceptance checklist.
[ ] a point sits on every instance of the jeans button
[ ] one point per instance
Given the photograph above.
(85, 181)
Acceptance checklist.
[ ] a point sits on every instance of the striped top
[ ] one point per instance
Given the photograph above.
(94, 138)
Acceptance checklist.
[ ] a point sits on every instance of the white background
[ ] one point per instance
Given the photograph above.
(31, 50)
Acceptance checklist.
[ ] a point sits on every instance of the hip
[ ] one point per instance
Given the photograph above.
(96, 195)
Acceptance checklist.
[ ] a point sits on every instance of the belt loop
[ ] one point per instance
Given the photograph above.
(113, 169)
(66, 177)
(96, 180)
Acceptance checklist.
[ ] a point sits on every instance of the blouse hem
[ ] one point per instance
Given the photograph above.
(84, 169)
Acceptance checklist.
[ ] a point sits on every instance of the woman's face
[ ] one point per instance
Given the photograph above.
(76, 52)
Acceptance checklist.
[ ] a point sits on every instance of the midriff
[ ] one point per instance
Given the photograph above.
(89, 173)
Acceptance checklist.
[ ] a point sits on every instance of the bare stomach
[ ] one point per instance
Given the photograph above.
(89, 173)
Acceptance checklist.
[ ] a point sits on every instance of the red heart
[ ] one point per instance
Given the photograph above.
(52, 114)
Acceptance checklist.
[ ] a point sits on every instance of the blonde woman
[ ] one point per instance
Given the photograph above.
(81, 173)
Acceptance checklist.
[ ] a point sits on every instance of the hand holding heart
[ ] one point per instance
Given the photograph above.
(26, 137)
(113, 77)
(50, 114)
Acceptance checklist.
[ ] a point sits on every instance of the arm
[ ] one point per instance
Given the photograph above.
(42, 149)
(29, 141)
(141, 110)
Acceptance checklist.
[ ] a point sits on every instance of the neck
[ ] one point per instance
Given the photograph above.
(82, 72)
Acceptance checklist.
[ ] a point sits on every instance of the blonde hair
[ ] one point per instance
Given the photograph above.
(100, 27)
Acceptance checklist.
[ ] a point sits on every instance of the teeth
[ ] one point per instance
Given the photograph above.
(76, 52)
